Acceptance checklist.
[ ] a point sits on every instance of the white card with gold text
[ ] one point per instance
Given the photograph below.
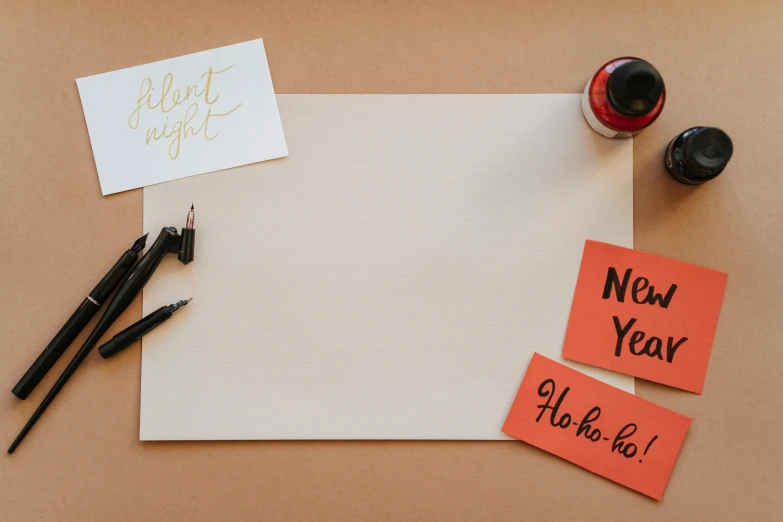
(198, 113)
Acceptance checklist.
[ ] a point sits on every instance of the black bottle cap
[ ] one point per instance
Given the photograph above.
(707, 151)
(634, 88)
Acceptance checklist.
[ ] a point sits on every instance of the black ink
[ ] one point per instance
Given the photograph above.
(621, 331)
(655, 352)
(635, 338)
(627, 450)
(636, 289)
(613, 280)
(648, 445)
(663, 302)
(640, 284)
(671, 348)
(565, 419)
(653, 347)
(585, 426)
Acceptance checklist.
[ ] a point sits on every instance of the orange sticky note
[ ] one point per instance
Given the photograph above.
(603, 429)
(644, 315)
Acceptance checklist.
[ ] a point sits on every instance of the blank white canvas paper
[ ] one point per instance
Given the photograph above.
(390, 279)
(184, 116)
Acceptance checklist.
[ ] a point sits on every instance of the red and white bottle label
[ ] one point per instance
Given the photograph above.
(596, 125)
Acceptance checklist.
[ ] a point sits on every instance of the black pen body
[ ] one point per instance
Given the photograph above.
(129, 289)
(55, 348)
(134, 332)
(75, 324)
(135, 282)
(126, 293)
(140, 328)
(114, 277)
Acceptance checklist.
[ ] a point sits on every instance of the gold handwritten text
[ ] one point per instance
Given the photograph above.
(169, 99)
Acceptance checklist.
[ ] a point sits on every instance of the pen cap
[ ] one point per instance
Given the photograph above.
(133, 333)
(187, 249)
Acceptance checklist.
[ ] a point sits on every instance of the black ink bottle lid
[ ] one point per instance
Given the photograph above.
(697, 155)
(625, 96)
(635, 88)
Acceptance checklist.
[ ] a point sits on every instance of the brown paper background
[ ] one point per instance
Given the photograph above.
(83, 461)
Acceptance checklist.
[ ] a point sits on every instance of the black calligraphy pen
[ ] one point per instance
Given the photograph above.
(168, 241)
(139, 329)
(79, 319)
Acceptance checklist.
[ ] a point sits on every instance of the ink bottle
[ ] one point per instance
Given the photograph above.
(697, 155)
(623, 97)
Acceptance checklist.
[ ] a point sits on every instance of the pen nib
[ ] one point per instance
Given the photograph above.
(176, 306)
(191, 219)
(140, 243)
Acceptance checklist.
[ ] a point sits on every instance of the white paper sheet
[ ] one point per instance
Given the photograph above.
(390, 279)
(198, 113)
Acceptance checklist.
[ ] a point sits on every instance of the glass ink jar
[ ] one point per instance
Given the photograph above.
(697, 155)
(623, 97)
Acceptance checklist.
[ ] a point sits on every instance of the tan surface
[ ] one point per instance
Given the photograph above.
(84, 461)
